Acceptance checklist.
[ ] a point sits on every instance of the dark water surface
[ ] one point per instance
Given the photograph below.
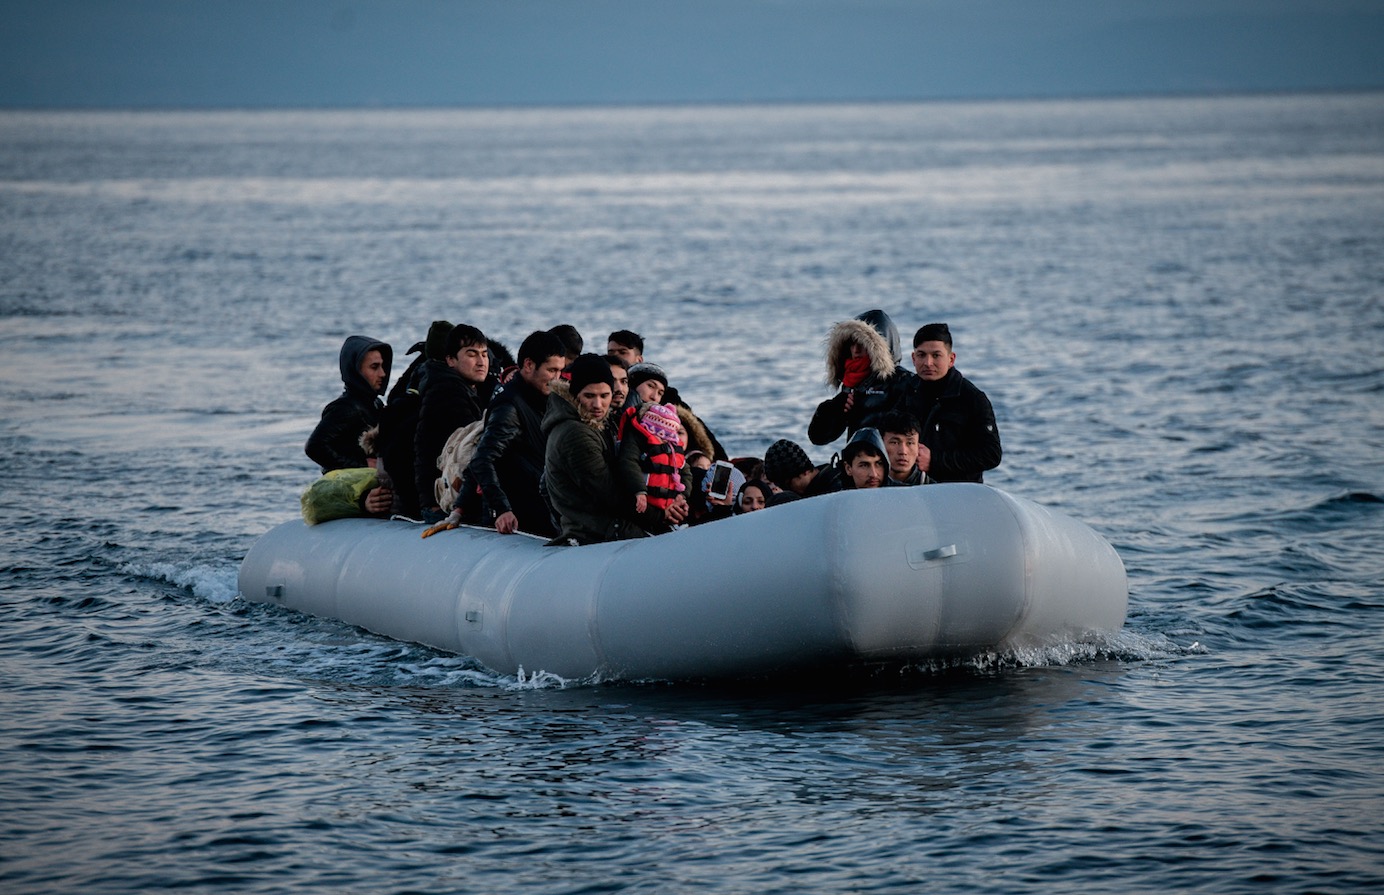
(1177, 307)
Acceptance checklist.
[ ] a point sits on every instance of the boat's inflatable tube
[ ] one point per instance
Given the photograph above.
(890, 575)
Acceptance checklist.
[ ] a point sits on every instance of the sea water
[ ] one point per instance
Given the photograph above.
(1176, 306)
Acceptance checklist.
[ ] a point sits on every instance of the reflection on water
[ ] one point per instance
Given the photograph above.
(1173, 305)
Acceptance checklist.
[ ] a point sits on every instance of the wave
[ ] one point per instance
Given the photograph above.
(215, 583)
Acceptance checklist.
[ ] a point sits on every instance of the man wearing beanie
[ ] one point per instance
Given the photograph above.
(959, 439)
(579, 458)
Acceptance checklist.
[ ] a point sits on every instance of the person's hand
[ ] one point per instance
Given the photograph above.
(850, 402)
(677, 511)
(721, 501)
(641, 503)
(378, 501)
(507, 523)
(924, 457)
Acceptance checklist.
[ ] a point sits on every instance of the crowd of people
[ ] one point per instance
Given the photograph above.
(579, 447)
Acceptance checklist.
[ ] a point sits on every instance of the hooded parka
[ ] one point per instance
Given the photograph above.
(335, 443)
(882, 389)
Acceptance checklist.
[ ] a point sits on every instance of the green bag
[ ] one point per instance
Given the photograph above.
(338, 495)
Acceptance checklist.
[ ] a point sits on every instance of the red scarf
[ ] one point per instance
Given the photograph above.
(857, 368)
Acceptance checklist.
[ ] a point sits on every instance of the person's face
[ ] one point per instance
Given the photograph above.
(932, 360)
(902, 451)
(541, 376)
(751, 499)
(372, 368)
(650, 390)
(857, 350)
(622, 385)
(594, 400)
(471, 363)
(798, 483)
(624, 352)
(866, 470)
(701, 461)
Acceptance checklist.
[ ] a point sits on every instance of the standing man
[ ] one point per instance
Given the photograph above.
(959, 438)
(509, 457)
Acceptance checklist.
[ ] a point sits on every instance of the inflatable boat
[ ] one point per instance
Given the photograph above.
(888, 576)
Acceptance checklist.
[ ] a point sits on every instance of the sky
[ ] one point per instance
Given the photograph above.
(382, 53)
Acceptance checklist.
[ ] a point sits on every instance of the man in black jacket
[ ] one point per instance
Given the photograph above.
(959, 438)
(454, 392)
(335, 442)
(509, 457)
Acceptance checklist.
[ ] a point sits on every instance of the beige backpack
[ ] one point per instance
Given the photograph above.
(455, 457)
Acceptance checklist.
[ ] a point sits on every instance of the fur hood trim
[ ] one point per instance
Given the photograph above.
(563, 389)
(698, 438)
(838, 344)
(368, 440)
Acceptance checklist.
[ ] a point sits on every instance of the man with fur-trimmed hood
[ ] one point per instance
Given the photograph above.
(863, 363)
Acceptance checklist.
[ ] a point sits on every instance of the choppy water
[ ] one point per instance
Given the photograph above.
(1175, 305)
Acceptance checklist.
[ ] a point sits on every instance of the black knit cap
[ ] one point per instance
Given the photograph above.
(785, 461)
(642, 372)
(587, 369)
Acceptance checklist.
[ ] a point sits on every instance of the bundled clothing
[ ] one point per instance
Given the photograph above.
(508, 463)
(877, 380)
(958, 426)
(579, 472)
(652, 458)
(335, 442)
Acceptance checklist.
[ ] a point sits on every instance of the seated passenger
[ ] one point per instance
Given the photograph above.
(454, 393)
(864, 460)
(754, 495)
(626, 345)
(899, 430)
(579, 462)
(787, 466)
(651, 458)
(335, 442)
(509, 457)
(863, 363)
(399, 422)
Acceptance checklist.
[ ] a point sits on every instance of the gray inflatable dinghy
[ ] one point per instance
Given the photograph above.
(893, 576)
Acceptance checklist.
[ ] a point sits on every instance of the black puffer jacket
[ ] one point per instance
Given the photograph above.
(335, 443)
(882, 390)
(447, 403)
(509, 457)
(958, 426)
